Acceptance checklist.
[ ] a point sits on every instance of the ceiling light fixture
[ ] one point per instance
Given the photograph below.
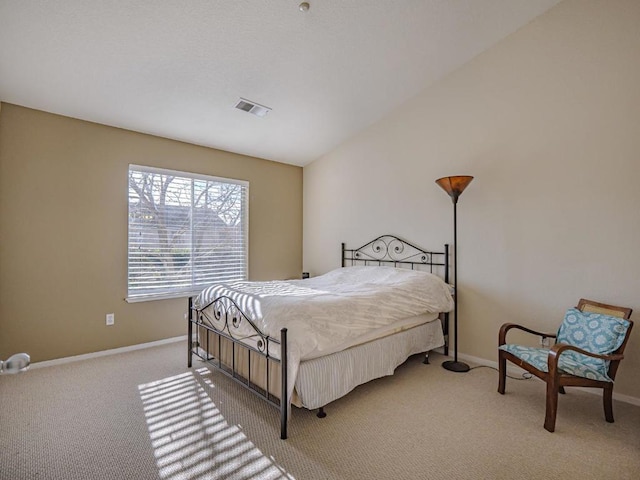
(304, 6)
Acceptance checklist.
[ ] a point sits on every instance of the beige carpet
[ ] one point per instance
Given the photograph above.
(143, 415)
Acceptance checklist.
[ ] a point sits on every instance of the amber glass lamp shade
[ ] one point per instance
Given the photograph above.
(454, 186)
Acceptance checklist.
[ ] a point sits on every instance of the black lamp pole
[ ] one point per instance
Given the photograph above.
(454, 186)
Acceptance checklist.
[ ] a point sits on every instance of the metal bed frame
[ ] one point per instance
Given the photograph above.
(228, 317)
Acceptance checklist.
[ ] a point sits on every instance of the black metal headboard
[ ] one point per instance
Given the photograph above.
(393, 251)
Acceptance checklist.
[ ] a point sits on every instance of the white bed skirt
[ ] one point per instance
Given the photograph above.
(325, 379)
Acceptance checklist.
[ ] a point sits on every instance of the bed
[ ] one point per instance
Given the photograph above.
(309, 342)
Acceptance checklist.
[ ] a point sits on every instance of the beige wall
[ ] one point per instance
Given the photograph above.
(548, 121)
(63, 229)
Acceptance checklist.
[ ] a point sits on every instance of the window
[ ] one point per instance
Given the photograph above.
(186, 231)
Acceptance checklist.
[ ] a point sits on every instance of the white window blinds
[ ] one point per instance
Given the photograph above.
(186, 231)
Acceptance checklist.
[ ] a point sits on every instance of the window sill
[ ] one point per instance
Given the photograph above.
(167, 296)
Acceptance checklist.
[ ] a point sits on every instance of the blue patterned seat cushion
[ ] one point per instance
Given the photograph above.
(538, 358)
(593, 332)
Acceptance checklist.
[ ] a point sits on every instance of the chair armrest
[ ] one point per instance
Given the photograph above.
(556, 350)
(508, 326)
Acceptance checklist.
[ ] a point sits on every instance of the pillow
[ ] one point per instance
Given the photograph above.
(594, 332)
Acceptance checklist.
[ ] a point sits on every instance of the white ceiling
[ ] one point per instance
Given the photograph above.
(176, 68)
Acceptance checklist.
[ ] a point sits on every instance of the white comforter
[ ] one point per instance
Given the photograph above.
(343, 304)
(333, 308)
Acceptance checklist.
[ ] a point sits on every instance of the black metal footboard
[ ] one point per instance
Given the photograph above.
(227, 339)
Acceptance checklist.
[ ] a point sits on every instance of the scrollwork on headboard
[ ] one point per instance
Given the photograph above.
(393, 251)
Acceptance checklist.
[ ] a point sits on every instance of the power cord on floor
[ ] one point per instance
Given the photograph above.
(524, 376)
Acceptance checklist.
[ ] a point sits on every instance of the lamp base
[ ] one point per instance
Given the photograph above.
(455, 366)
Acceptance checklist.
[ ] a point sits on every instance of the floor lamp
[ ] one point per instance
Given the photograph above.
(454, 186)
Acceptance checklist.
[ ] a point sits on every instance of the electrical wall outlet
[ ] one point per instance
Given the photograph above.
(111, 318)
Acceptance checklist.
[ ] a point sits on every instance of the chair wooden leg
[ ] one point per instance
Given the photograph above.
(552, 404)
(502, 372)
(607, 398)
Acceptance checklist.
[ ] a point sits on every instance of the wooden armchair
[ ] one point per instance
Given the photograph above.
(588, 349)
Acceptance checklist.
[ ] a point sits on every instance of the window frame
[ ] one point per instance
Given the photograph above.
(193, 289)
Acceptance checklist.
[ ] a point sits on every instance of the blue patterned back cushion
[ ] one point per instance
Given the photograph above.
(594, 332)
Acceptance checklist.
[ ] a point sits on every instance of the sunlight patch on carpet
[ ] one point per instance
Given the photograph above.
(192, 440)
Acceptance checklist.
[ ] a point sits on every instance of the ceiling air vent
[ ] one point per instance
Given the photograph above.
(252, 107)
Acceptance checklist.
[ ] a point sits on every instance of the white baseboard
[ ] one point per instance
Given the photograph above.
(513, 369)
(113, 351)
